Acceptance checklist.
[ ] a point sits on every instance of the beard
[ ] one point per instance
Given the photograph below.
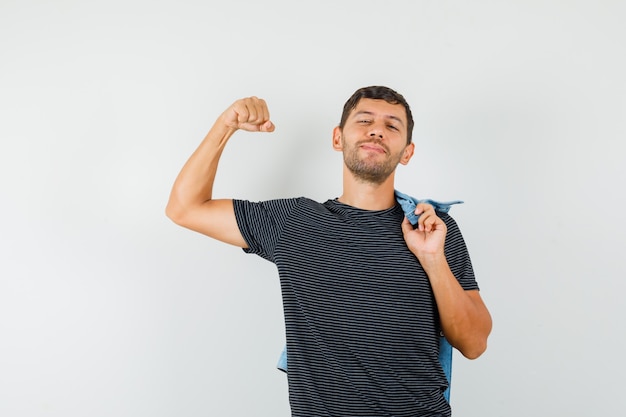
(371, 168)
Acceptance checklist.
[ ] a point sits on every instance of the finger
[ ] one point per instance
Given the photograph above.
(423, 210)
(421, 219)
(426, 217)
(263, 111)
(437, 225)
(259, 113)
(263, 116)
(251, 114)
(429, 223)
(238, 113)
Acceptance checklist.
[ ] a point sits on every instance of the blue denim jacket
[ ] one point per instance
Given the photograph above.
(408, 205)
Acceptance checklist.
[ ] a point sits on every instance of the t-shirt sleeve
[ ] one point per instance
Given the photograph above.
(458, 255)
(261, 223)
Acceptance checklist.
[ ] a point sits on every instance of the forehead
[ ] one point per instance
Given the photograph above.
(380, 108)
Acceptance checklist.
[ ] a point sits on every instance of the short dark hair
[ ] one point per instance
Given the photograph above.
(377, 92)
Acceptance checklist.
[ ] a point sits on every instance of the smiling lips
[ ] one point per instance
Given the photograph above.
(370, 146)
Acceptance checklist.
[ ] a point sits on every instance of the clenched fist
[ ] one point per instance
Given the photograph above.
(250, 114)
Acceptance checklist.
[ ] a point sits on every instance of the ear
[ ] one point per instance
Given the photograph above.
(337, 142)
(407, 154)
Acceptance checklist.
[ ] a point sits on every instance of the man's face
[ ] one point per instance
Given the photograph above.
(373, 140)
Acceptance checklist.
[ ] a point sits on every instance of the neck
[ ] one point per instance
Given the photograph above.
(366, 195)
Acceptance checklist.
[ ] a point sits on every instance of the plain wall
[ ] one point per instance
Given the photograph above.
(109, 309)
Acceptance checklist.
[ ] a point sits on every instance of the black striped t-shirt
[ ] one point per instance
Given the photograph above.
(361, 321)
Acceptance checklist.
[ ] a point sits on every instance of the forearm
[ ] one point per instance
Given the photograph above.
(465, 320)
(194, 184)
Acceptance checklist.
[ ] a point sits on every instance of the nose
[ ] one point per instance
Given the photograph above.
(376, 131)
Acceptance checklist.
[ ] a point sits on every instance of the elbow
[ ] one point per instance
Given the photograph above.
(476, 345)
(175, 212)
(474, 351)
(476, 342)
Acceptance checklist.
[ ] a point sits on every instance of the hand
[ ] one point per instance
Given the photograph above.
(249, 114)
(427, 240)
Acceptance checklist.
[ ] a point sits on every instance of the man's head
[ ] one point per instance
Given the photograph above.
(374, 134)
(378, 93)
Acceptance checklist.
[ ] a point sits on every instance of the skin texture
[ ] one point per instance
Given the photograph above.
(373, 142)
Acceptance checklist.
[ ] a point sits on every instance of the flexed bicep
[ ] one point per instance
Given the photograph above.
(191, 202)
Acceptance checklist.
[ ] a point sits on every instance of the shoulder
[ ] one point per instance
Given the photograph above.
(277, 203)
(275, 208)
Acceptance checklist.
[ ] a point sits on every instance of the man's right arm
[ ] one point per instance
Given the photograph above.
(191, 202)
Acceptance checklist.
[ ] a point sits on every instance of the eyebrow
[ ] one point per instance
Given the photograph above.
(388, 116)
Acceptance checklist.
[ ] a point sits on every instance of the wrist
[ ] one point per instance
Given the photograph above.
(220, 132)
(433, 262)
(225, 124)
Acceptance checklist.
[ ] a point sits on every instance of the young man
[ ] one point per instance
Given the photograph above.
(365, 293)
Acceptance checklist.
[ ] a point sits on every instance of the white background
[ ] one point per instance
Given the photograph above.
(109, 309)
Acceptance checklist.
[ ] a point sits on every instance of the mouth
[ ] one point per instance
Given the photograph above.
(374, 147)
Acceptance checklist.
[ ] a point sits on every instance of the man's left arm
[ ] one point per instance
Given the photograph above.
(465, 320)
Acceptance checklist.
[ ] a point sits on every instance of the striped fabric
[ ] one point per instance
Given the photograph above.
(361, 322)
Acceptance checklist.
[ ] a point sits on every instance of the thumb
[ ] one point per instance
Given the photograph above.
(267, 127)
(420, 208)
